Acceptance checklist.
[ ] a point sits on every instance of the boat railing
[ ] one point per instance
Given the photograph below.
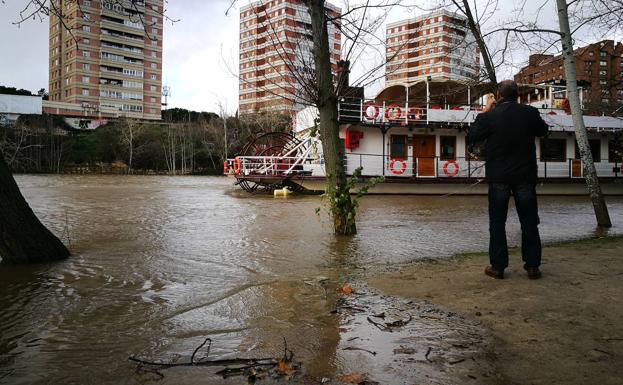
(465, 167)
(433, 167)
(402, 113)
(270, 166)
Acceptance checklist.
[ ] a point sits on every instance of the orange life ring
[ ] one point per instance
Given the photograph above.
(375, 114)
(237, 165)
(397, 171)
(225, 167)
(389, 109)
(454, 172)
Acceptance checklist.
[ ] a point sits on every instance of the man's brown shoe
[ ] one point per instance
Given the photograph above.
(491, 272)
(533, 272)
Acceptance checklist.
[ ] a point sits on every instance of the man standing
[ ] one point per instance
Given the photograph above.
(510, 129)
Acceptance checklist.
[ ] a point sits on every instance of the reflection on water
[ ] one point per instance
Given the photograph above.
(161, 262)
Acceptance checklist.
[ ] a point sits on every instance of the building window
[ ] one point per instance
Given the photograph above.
(154, 65)
(86, 79)
(86, 28)
(447, 147)
(153, 77)
(85, 92)
(86, 66)
(86, 3)
(603, 63)
(152, 88)
(398, 147)
(553, 150)
(595, 145)
(602, 54)
(86, 54)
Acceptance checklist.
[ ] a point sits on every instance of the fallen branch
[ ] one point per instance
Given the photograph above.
(222, 362)
(363, 350)
(428, 353)
(379, 325)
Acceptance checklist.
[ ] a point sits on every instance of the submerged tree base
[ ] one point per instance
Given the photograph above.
(23, 238)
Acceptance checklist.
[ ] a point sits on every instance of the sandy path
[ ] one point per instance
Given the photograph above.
(566, 328)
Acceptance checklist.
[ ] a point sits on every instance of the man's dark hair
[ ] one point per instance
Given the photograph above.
(508, 90)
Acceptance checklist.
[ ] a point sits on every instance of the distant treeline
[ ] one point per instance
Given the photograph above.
(14, 91)
(184, 142)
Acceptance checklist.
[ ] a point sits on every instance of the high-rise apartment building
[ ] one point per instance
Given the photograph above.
(275, 50)
(106, 57)
(599, 71)
(438, 45)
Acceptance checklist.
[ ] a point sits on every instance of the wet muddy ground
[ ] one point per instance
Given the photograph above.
(161, 263)
(562, 329)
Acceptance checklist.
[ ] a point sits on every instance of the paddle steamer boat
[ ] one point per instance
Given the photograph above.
(414, 136)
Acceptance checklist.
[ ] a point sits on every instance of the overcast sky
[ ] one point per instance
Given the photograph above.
(200, 51)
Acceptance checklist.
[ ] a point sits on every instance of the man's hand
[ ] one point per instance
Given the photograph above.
(490, 102)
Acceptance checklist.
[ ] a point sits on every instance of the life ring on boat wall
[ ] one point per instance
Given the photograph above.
(390, 114)
(237, 165)
(455, 169)
(375, 113)
(225, 167)
(397, 171)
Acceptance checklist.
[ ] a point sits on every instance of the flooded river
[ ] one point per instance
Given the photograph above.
(160, 263)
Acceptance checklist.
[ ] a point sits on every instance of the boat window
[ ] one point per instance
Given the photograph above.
(553, 150)
(398, 148)
(448, 147)
(615, 150)
(595, 145)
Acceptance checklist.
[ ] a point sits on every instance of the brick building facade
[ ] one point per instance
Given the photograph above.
(275, 41)
(106, 57)
(599, 68)
(437, 45)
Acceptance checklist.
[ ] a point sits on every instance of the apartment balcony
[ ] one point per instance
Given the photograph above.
(122, 51)
(119, 37)
(123, 28)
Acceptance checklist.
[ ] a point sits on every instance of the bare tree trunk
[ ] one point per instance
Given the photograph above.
(340, 201)
(590, 174)
(131, 148)
(23, 238)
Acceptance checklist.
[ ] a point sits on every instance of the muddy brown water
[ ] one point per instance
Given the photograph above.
(160, 263)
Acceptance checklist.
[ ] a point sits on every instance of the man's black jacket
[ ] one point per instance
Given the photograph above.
(510, 130)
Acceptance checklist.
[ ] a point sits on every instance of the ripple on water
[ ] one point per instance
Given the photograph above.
(160, 262)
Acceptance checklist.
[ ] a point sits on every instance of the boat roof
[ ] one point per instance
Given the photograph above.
(451, 91)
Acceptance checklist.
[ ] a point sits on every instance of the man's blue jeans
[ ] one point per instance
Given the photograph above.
(527, 210)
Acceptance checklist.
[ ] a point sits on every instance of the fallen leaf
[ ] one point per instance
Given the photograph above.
(346, 289)
(353, 378)
(285, 368)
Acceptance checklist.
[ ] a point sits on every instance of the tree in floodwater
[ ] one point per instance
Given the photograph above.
(312, 70)
(23, 238)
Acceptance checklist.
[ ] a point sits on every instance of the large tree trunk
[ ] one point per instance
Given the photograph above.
(590, 174)
(23, 238)
(341, 204)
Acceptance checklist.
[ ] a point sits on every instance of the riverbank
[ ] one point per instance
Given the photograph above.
(562, 329)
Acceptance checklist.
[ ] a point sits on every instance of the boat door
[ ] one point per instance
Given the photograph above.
(576, 168)
(424, 155)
